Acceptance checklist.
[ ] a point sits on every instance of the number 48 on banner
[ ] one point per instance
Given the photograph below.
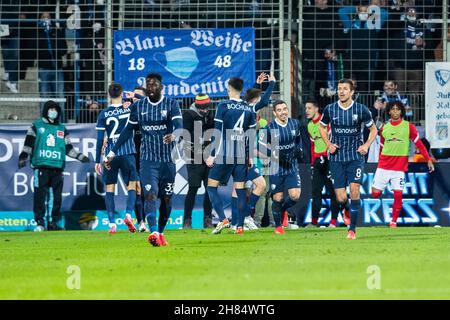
(225, 62)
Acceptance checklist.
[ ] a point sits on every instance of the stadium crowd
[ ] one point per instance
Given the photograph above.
(370, 41)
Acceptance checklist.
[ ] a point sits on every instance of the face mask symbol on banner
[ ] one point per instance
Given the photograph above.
(181, 62)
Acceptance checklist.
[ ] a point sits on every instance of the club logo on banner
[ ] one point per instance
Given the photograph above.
(442, 76)
(437, 104)
(190, 61)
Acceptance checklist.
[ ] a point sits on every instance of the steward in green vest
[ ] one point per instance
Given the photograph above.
(47, 143)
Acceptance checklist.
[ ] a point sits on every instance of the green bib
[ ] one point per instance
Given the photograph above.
(396, 139)
(49, 146)
(319, 144)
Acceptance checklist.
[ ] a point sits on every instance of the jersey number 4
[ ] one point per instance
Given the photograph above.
(240, 123)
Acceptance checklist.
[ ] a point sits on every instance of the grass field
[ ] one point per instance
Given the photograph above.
(414, 263)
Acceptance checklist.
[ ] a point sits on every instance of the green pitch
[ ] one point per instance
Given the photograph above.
(406, 263)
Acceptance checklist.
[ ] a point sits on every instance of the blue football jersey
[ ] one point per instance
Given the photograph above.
(346, 129)
(155, 120)
(283, 139)
(233, 118)
(113, 120)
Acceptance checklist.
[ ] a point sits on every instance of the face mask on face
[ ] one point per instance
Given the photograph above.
(363, 16)
(411, 18)
(52, 114)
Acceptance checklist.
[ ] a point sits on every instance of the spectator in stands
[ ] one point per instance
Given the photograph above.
(391, 94)
(27, 33)
(93, 60)
(90, 113)
(319, 29)
(379, 115)
(439, 51)
(408, 54)
(362, 25)
(397, 11)
(51, 48)
(329, 71)
(10, 43)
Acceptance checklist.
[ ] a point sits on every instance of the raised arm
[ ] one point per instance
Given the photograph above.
(266, 96)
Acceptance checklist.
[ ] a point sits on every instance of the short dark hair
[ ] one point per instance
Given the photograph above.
(251, 94)
(154, 75)
(312, 101)
(278, 102)
(347, 81)
(236, 83)
(115, 90)
(398, 104)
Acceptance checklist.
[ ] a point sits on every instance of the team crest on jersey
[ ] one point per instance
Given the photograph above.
(355, 117)
(293, 132)
(164, 113)
(273, 186)
(41, 130)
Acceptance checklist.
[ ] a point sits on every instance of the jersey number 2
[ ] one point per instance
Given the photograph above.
(113, 134)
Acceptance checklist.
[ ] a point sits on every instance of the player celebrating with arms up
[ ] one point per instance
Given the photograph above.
(393, 164)
(346, 147)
